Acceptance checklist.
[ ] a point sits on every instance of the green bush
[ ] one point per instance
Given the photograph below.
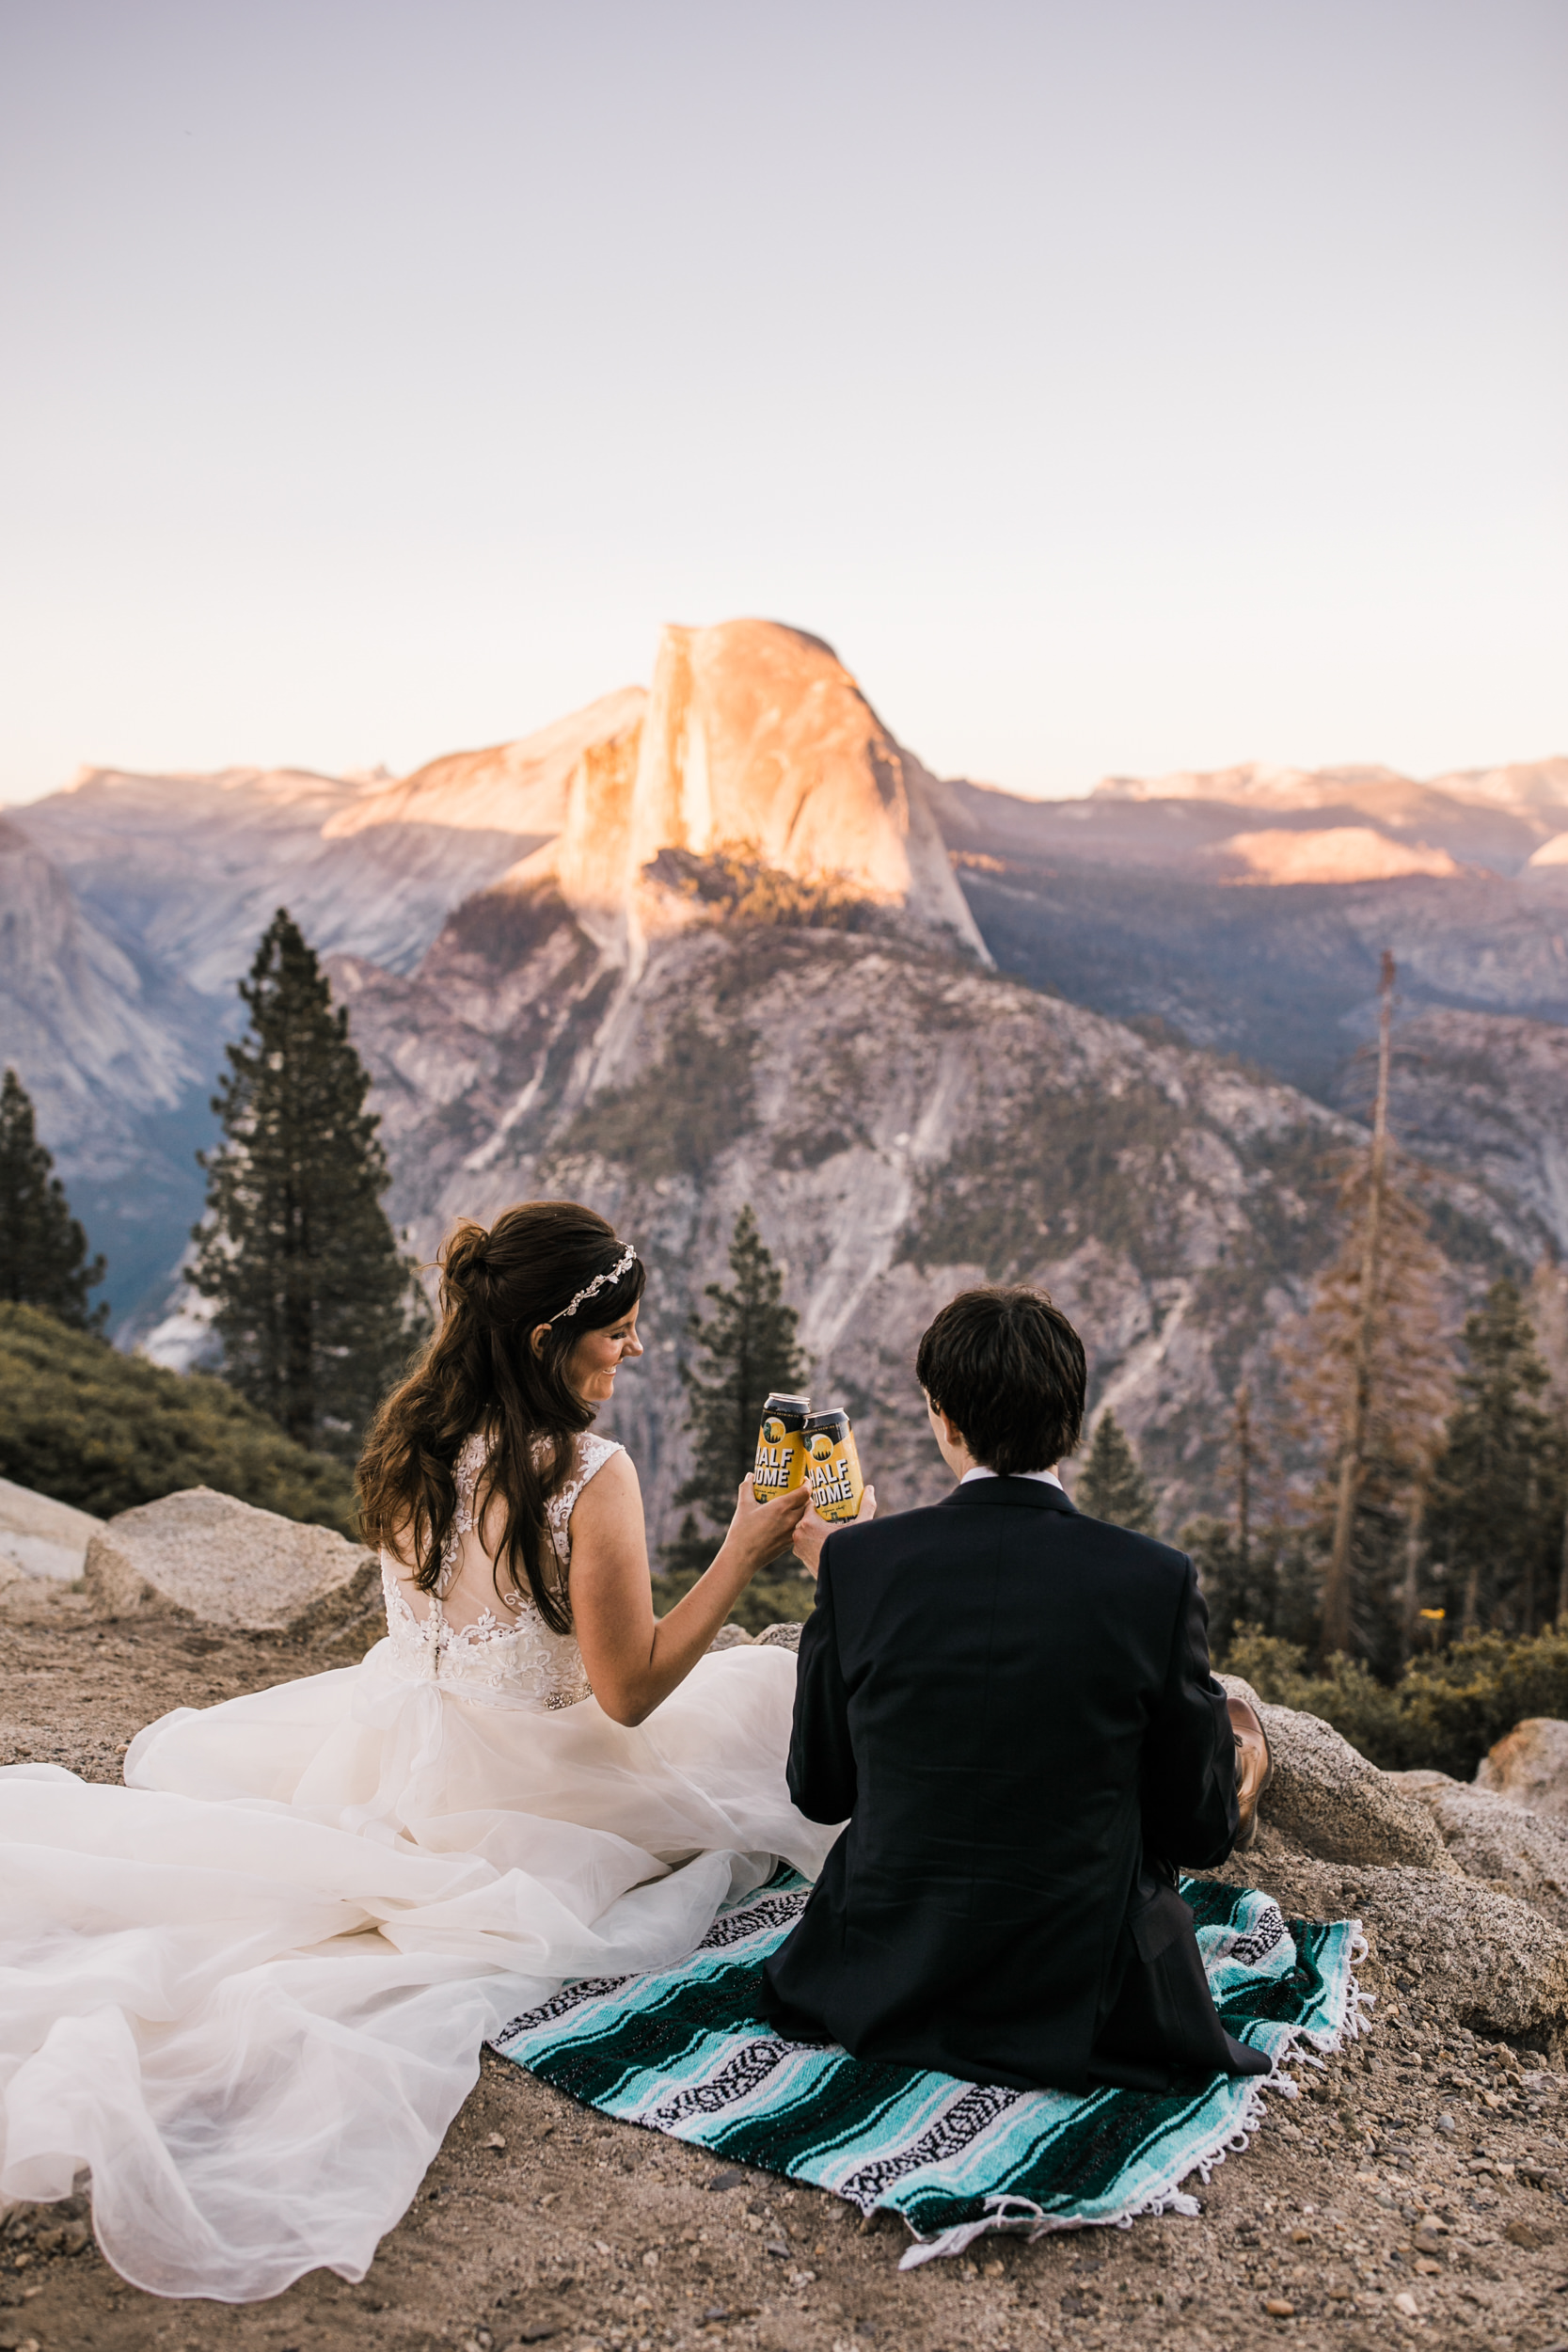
(103, 1431)
(737, 885)
(1442, 1714)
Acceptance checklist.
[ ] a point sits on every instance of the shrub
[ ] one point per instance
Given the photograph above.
(1443, 1713)
(739, 887)
(104, 1431)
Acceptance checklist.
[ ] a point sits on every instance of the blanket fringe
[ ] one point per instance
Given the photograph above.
(1304, 2046)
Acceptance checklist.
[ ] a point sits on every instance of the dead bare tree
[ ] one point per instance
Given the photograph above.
(1369, 1380)
(1337, 1607)
(1243, 1442)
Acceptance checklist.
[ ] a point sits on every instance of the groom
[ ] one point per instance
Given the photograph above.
(1012, 1704)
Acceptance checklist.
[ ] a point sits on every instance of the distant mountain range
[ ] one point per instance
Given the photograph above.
(725, 938)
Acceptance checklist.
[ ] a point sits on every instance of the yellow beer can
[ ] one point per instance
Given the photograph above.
(833, 1464)
(780, 1461)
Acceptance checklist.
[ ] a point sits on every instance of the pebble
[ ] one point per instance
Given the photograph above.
(1277, 2308)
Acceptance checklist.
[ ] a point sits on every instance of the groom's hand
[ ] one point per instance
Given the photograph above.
(814, 1529)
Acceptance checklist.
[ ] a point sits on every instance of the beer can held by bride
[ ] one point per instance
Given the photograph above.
(780, 1462)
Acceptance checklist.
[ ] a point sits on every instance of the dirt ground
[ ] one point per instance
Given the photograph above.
(1420, 2193)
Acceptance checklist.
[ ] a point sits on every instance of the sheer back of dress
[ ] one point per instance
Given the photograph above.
(475, 1634)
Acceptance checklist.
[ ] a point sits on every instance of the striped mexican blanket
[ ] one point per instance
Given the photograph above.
(684, 2050)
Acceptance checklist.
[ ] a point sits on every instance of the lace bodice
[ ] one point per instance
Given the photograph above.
(506, 1654)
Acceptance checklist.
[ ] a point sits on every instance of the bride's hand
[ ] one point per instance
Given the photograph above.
(761, 1531)
(814, 1529)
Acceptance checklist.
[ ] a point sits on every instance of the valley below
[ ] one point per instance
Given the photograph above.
(902, 1126)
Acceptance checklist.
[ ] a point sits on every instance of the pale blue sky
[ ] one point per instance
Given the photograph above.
(1119, 386)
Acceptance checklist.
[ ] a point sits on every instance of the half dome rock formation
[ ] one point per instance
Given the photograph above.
(756, 742)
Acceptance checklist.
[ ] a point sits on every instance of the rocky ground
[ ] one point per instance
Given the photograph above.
(1418, 2191)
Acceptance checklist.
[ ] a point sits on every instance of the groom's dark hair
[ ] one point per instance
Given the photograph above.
(1007, 1367)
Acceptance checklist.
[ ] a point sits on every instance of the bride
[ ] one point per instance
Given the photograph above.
(248, 1990)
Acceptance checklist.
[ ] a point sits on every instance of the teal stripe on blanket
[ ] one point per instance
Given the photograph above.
(686, 2051)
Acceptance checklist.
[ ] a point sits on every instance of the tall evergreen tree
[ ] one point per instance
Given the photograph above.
(1371, 1377)
(1230, 1590)
(746, 1347)
(1236, 1559)
(1113, 1486)
(43, 1251)
(315, 1306)
(1497, 1508)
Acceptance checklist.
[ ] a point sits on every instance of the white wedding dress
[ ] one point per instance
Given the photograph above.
(250, 1988)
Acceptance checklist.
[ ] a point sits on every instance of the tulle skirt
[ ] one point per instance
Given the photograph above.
(250, 1990)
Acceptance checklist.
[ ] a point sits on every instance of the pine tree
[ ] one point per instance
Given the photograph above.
(1371, 1377)
(43, 1251)
(315, 1307)
(1237, 1561)
(1548, 1313)
(1228, 1589)
(1497, 1509)
(1113, 1486)
(749, 1347)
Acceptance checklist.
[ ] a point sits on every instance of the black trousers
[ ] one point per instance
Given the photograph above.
(1161, 2027)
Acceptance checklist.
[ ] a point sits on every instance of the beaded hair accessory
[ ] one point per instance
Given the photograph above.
(600, 1281)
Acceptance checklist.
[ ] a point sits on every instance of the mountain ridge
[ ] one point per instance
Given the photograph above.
(903, 1123)
(544, 948)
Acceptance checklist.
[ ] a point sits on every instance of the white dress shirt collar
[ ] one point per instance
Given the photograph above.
(1047, 1478)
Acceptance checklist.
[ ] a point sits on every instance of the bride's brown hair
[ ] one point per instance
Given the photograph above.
(481, 1371)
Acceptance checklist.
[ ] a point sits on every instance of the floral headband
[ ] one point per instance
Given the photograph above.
(600, 1281)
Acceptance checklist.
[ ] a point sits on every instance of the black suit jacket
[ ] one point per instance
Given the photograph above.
(1012, 1705)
